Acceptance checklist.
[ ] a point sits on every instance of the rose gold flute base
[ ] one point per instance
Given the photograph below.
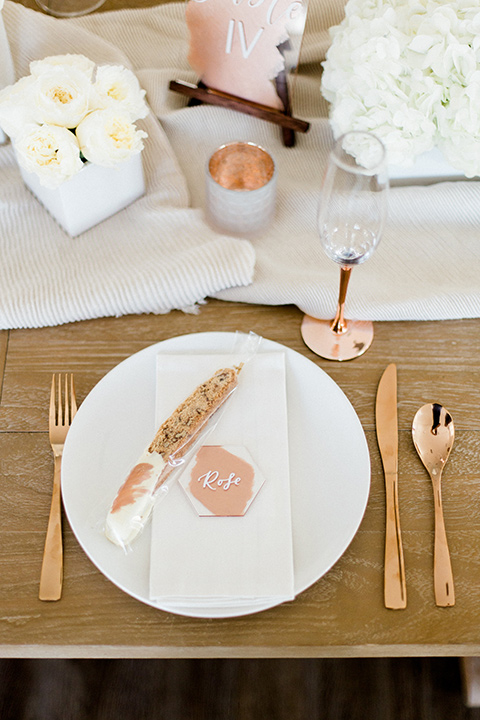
(338, 339)
(354, 339)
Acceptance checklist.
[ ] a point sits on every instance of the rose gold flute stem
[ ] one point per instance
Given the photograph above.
(339, 324)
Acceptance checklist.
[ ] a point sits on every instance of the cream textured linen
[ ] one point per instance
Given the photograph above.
(158, 254)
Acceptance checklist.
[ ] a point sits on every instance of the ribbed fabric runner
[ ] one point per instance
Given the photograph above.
(159, 254)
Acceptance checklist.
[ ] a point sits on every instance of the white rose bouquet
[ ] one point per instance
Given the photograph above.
(409, 72)
(68, 112)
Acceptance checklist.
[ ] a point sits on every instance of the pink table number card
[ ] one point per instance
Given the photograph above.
(246, 47)
(244, 53)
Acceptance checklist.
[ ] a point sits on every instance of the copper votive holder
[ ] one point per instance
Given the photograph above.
(241, 183)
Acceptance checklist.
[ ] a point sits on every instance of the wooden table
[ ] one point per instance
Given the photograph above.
(340, 615)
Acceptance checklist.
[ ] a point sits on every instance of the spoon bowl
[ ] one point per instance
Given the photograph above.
(433, 435)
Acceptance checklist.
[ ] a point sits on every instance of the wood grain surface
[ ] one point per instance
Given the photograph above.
(340, 615)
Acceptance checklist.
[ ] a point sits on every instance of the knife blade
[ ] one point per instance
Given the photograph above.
(395, 592)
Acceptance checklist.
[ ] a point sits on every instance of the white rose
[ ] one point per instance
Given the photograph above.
(108, 138)
(119, 88)
(49, 151)
(62, 96)
(17, 108)
(80, 62)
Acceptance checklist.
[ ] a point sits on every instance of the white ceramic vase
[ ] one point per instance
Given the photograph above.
(92, 195)
(429, 168)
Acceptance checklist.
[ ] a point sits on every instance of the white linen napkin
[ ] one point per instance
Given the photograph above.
(227, 561)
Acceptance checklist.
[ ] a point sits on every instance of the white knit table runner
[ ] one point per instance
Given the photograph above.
(159, 254)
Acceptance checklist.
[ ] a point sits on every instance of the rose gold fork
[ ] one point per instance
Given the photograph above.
(60, 418)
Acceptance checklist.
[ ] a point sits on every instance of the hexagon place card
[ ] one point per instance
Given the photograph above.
(221, 480)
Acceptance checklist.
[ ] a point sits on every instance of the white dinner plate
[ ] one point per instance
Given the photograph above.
(329, 465)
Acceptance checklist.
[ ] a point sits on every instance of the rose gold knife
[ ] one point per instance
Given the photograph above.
(387, 436)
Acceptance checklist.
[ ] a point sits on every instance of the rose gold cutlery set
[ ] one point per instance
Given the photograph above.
(433, 435)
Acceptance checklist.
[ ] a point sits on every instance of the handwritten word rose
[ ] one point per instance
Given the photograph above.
(51, 152)
(107, 137)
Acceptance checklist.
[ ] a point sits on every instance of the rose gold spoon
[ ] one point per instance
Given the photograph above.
(433, 435)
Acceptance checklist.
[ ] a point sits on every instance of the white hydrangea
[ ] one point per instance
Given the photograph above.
(408, 71)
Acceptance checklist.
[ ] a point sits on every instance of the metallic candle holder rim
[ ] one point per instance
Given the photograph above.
(241, 143)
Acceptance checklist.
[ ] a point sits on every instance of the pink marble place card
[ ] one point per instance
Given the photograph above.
(222, 481)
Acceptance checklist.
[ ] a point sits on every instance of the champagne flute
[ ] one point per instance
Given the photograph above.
(351, 216)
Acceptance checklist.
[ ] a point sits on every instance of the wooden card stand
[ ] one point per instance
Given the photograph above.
(202, 94)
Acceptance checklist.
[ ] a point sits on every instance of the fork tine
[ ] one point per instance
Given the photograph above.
(52, 412)
(59, 401)
(63, 402)
(73, 399)
(66, 415)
